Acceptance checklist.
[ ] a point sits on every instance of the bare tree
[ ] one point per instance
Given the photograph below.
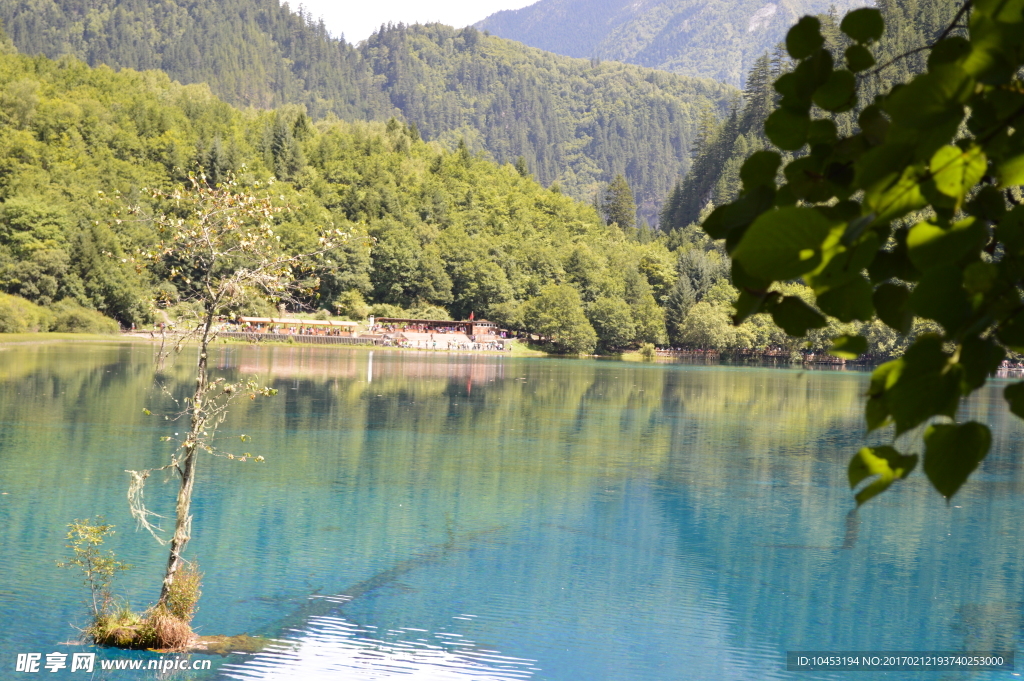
(218, 247)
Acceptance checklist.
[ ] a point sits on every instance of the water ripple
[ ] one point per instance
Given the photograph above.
(333, 648)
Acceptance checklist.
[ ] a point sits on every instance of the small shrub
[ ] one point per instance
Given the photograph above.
(164, 626)
(157, 628)
(18, 315)
(184, 310)
(183, 596)
(122, 628)
(98, 568)
(72, 318)
(165, 294)
(253, 306)
(647, 351)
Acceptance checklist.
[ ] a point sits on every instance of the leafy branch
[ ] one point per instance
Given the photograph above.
(98, 568)
(945, 145)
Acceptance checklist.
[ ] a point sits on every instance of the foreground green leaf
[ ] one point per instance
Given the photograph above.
(849, 347)
(848, 302)
(1014, 394)
(787, 129)
(863, 25)
(804, 38)
(885, 462)
(796, 317)
(892, 302)
(923, 384)
(952, 452)
(783, 244)
(955, 171)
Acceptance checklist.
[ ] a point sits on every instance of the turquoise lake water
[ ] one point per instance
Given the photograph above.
(434, 516)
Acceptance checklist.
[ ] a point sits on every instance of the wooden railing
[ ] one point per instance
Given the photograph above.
(758, 355)
(253, 337)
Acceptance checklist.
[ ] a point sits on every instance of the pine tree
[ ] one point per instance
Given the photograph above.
(758, 94)
(619, 206)
(521, 167)
(287, 154)
(680, 299)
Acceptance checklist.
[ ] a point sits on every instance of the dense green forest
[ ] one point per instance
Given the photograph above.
(572, 121)
(717, 39)
(251, 52)
(434, 231)
(438, 227)
(431, 228)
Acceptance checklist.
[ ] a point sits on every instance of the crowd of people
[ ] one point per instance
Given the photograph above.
(438, 341)
(417, 327)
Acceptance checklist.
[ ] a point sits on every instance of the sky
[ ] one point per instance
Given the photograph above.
(357, 19)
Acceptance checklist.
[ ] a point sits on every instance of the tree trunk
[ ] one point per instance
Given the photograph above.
(187, 470)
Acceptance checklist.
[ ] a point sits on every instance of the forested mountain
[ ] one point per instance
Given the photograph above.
(251, 52)
(721, 148)
(717, 39)
(433, 231)
(573, 121)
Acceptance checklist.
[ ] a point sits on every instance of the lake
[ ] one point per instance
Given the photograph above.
(435, 516)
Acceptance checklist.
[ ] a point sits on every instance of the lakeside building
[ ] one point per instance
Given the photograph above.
(435, 334)
(442, 334)
(295, 326)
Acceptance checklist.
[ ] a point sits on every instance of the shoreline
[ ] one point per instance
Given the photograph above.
(47, 337)
(519, 350)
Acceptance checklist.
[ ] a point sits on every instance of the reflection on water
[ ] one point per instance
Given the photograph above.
(332, 648)
(435, 516)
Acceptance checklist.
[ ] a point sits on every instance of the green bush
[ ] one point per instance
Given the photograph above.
(352, 305)
(18, 315)
(426, 311)
(386, 310)
(71, 318)
(183, 597)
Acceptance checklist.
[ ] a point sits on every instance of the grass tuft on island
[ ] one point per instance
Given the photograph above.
(165, 626)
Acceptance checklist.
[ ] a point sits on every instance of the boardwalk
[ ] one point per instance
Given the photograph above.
(757, 355)
(253, 337)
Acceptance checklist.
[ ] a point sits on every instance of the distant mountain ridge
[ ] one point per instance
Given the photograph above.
(571, 121)
(718, 39)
